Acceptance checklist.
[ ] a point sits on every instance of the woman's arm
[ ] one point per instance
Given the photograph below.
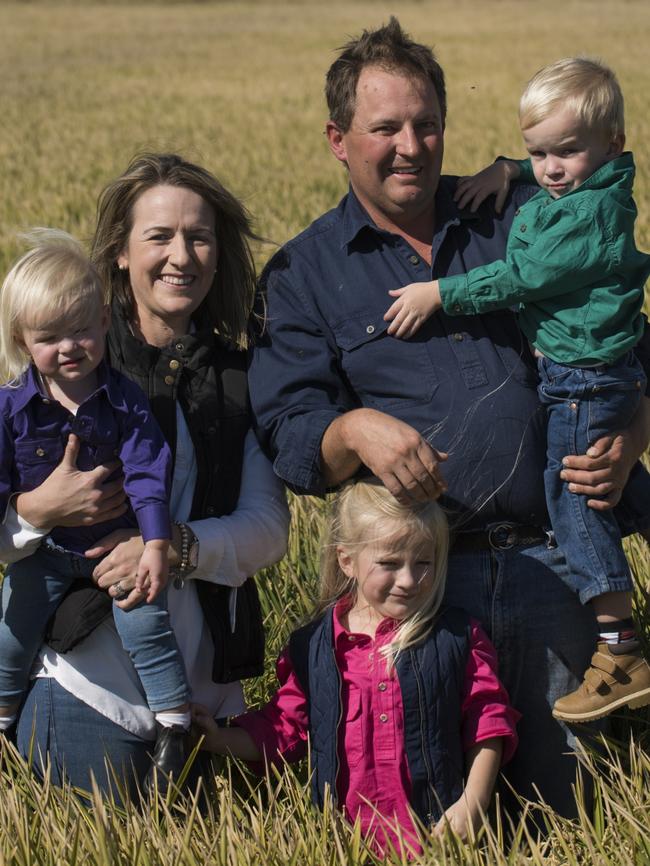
(231, 548)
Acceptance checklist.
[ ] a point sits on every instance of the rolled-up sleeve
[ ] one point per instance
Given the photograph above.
(280, 728)
(296, 386)
(486, 708)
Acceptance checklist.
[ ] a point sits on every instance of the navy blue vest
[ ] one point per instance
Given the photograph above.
(431, 677)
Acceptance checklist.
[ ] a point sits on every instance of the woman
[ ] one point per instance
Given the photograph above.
(172, 245)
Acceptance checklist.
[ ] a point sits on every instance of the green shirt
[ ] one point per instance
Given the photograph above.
(572, 264)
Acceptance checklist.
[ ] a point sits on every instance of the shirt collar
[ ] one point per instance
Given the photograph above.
(356, 218)
(32, 387)
(27, 390)
(385, 628)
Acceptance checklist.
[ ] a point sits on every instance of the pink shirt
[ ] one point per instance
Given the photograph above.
(373, 781)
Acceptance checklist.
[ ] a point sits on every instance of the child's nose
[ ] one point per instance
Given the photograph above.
(67, 344)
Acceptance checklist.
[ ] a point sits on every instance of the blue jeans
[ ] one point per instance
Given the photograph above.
(55, 726)
(544, 638)
(32, 589)
(583, 405)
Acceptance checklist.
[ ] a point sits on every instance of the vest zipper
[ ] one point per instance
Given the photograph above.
(338, 725)
(425, 753)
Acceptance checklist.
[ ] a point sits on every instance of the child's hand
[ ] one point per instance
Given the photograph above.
(204, 725)
(494, 180)
(153, 568)
(414, 304)
(461, 818)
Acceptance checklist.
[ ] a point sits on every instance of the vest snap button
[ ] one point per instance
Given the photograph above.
(382, 687)
(40, 452)
(383, 717)
(169, 380)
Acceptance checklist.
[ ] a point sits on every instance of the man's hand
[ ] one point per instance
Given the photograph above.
(414, 304)
(603, 471)
(69, 497)
(404, 462)
(471, 191)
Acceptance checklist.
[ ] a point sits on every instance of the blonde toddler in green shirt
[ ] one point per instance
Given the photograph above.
(573, 267)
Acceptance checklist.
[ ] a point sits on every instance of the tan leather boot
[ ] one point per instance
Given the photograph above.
(611, 681)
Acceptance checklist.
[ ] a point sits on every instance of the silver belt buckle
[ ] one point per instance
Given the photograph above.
(502, 536)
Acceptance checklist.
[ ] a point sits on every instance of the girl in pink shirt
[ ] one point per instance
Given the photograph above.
(399, 696)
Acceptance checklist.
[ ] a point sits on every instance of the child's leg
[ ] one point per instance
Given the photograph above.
(149, 639)
(31, 590)
(584, 405)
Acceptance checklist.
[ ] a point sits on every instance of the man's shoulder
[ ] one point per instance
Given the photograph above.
(323, 231)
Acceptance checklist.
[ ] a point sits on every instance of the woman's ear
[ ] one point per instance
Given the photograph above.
(345, 560)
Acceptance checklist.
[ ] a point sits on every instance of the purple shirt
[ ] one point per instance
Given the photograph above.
(114, 422)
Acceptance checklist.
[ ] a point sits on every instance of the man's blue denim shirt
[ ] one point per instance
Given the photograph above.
(467, 383)
(115, 422)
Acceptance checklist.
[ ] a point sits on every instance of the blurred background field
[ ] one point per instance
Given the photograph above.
(238, 86)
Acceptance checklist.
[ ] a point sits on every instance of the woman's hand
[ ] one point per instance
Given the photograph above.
(70, 497)
(117, 572)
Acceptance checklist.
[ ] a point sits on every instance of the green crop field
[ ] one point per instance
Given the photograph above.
(238, 87)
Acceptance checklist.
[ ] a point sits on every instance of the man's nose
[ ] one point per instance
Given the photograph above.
(408, 143)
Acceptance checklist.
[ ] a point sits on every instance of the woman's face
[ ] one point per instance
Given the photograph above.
(171, 255)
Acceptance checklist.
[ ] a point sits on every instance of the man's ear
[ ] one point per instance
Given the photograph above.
(616, 146)
(336, 141)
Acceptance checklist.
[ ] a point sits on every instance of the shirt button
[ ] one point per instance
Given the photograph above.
(383, 717)
(382, 687)
(352, 637)
(522, 228)
(458, 337)
(46, 401)
(458, 308)
(518, 211)
(169, 380)
(40, 452)
(174, 364)
(414, 260)
(210, 509)
(370, 329)
(180, 347)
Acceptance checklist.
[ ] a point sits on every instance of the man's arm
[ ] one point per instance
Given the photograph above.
(604, 470)
(393, 451)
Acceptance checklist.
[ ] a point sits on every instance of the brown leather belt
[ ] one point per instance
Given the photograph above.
(502, 536)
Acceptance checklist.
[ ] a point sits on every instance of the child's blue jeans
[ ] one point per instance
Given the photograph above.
(32, 589)
(583, 405)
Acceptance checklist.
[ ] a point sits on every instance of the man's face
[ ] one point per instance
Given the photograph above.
(393, 149)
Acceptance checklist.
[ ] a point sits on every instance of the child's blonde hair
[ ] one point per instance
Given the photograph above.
(359, 516)
(584, 85)
(53, 276)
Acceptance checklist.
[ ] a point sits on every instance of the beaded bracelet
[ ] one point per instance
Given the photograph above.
(185, 567)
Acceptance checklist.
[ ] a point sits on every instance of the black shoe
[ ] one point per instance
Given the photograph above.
(173, 748)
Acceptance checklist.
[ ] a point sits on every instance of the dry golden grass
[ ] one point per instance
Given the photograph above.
(238, 87)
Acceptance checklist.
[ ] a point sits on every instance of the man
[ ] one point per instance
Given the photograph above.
(453, 410)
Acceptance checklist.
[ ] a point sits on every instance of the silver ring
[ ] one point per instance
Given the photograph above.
(119, 592)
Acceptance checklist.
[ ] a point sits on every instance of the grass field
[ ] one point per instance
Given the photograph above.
(238, 87)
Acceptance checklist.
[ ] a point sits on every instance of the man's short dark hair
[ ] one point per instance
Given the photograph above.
(389, 48)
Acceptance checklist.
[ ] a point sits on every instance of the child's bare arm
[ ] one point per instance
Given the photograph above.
(414, 304)
(465, 815)
(471, 191)
(153, 568)
(224, 741)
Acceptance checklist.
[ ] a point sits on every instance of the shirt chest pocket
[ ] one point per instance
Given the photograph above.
(34, 460)
(383, 371)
